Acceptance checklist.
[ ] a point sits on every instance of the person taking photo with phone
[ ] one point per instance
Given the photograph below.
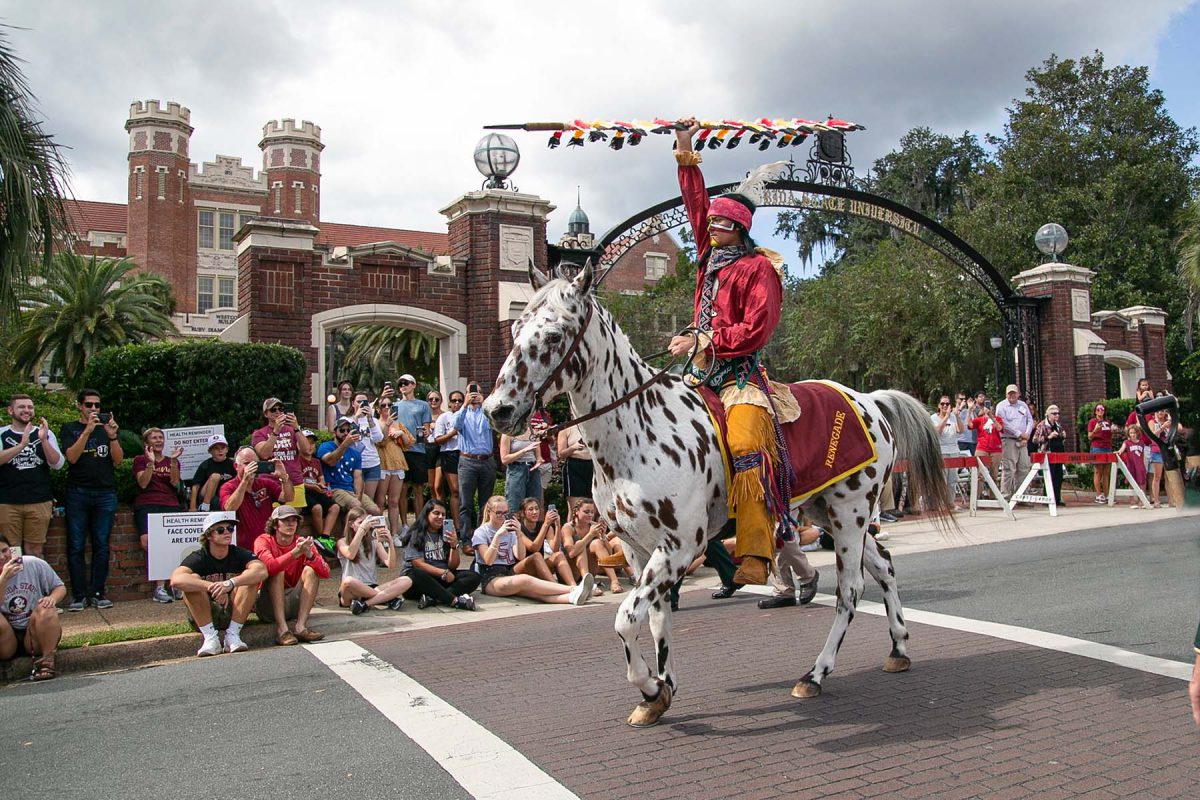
(277, 439)
(366, 543)
(476, 467)
(29, 594)
(498, 548)
(432, 562)
(253, 492)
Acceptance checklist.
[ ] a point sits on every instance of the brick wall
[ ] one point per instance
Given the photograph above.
(162, 232)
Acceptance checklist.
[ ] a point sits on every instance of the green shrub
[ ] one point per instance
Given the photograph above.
(178, 384)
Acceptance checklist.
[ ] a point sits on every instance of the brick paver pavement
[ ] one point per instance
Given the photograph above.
(975, 717)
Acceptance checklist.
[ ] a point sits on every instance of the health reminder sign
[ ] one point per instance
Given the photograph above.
(171, 537)
(194, 443)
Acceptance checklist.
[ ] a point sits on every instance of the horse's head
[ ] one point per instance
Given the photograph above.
(544, 341)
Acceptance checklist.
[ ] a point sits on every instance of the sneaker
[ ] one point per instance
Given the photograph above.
(102, 602)
(1100, 499)
(177, 593)
(211, 646)
(806, 591)
(812, 547)
(203, 507)
(885, 516)
(76, 605)
(234, 643)
(464, 602)
(161, 595)
(425, 602)
(358, 607)
(882, 536)
(581, 593)
(395, 604)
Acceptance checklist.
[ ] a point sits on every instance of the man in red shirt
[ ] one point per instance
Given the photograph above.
(295, 570)
(251, 496)
(738, 301)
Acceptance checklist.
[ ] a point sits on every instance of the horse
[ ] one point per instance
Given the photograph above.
(660, 482)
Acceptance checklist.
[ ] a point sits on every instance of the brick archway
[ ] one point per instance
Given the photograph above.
(451, 335)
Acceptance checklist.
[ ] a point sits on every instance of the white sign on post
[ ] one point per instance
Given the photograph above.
(170, 538)
(194, 442)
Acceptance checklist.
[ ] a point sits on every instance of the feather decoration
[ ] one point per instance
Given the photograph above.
(756, 182)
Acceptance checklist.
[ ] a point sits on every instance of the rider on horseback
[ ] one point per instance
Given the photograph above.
(739, 294)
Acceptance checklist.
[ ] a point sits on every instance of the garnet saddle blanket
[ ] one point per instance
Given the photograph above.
(826, 443)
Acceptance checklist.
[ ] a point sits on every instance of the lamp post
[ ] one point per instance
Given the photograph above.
(44, 379)
(496, 158)
(996, 343)
(1051, 239)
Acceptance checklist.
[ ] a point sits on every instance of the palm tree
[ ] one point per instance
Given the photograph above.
(379, 353)
(78, 306)
(32, 183)
(1188, 264)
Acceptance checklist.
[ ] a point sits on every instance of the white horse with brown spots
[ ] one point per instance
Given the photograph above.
(659, 478)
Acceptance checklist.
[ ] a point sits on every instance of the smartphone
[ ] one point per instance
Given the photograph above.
(447, 527)
(16, 554)
(550, 508)
(473, 388)
(266, 467)
(105, 417)
(288, 408)
(364, 403)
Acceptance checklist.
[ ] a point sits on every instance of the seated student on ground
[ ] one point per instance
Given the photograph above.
(498, 547)
(29, 594)
(219, 584)
(365, 543)
(543, 543)
(432, 562)
(296, 570)
(586, 540)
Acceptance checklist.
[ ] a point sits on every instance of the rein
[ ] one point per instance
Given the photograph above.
(553, 430)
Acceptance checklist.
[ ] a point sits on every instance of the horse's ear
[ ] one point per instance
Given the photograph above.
(537, 279)
(583, 281)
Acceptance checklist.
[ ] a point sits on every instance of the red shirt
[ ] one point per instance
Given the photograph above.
(285, 449)
(256, 507)
(749, 296)
(987, 441)
(314, 477)
(1103, 429)
(159, 491)
(279, 559)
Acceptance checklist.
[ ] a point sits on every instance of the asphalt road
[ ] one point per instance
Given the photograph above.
(1137, 588)
(276, 723)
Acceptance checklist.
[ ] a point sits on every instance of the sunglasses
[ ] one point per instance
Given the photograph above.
(434, 399)
(222, 529)
(944, 403)
(405, 383)
(91, 405)
(344, 430)
(455, 399)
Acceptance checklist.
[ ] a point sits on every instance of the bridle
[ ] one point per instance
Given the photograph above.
(556, 373)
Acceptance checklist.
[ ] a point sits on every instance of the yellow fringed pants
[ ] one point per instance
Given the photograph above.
(750, 430)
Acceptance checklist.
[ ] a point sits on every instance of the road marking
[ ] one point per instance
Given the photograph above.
(1029, 636)
(482, 763)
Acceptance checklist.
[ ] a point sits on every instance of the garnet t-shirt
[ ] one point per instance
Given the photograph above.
(1104, 433)
(285, 449)
(256, 507)
(160, 491)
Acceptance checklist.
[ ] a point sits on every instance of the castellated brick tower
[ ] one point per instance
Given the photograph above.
(162, 238)
(292, 165)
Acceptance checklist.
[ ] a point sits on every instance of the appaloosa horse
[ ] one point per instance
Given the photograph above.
(660, 482)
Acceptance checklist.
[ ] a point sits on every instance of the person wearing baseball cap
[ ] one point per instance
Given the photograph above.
(738, 301)
(318, 497)
(1017, 420)
(277, 439)
(295, 570)
(210, 474)
(219, 582)
(417, 417)
(1050, 438)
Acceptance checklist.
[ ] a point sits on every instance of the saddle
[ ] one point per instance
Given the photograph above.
(826, 443)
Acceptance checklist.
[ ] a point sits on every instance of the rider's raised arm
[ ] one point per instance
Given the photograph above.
(691, 184)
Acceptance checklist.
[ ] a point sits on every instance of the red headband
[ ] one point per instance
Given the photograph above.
(730, 209)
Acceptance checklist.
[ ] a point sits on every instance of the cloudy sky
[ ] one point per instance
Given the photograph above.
(401, 89)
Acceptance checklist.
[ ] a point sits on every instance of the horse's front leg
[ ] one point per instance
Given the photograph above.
(647, 599)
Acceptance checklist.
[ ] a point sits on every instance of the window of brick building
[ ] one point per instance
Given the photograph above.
(656, 266)
(245, 217)
(138, 172)
(226, 230)
(182, 181)
(278, 187)
(298, 187)
(204, 237)
(204, 294)
(162, 182)
(225, 295)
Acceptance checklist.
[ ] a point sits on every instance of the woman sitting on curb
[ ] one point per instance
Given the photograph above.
(364, 543)
(539, 561)
(498, 546)
(431, 561)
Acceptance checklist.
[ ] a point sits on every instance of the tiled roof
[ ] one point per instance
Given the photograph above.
(92, 215)
(336, 234)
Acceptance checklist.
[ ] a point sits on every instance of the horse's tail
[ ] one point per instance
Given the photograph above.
(917, 444)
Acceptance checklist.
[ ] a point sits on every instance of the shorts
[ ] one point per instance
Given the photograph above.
(489, 574)
(221, 615)
(316, 498)
(1155, 458)
(291, 604)
(448, 461)
(371, 473)
(347, 500)
(432, 451)
(140, 514)
(577, 477)
(22, 651)
(26, 522)
(418, 472)
(391, 473)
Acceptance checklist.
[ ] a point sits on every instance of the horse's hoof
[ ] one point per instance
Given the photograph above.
(806, 689)
(897, 664)
(649, 712)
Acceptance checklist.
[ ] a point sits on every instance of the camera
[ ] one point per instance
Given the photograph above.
(105, 417)
(266, 467)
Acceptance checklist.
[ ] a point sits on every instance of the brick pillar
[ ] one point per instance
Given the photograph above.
(1147, 338)
(1072, 355)
(496, 233)
(275, 259)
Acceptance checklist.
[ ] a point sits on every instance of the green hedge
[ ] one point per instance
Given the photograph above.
(177, 384)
